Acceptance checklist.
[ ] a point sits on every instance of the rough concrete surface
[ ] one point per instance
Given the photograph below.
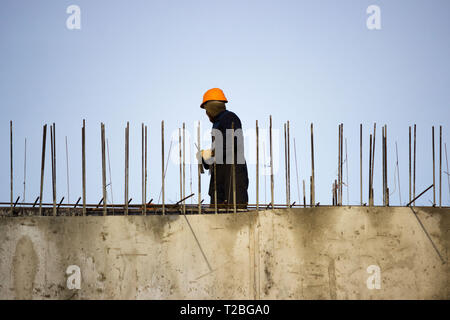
(308, 253)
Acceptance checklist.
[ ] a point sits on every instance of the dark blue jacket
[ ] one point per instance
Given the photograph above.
(224, 182)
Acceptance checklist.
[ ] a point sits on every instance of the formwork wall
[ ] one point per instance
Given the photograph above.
(310, 253)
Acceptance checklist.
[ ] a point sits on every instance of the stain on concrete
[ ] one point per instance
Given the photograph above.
(268, 283)
(24, 268)
(332, 279)
(155, 226)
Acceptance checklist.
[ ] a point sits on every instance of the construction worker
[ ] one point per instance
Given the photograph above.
(220, 154)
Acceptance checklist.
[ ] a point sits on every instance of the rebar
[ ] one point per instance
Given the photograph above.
(360, 166)
(370, 170)
(440, 166)
(181, 164)
(414, 170)
(105, 198)
(289, 162)
(313, 195)
(144, 201)
(184, 170)
(83, 163)
(67, 173)
(257, 166)
(233, 167)
(410, 184)
(373, 159)
(162, 167)
(434, 181)
(53, 154)
(199, 172)
(386, 164)
(24, 170)
(285, 164)
(271, 162)
(127, 142)
(304, 194)
(11, 162)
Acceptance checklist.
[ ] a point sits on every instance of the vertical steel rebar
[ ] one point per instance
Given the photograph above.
(285, 165)
(181, 164)
(289, 162)
(24, 170)
(341, 188)
(53, 147)
(54, 156)
(360, 165)
(370, 170)
(335, 192)
(410, 182)
(11, 163)
(313, 186)
(440, 166)
(190, 170)
(257, 166)
(54, 161)
(127, 146)
(434, 180)
(386, 165)
(332, 195)
(105, 200)
(215, 177)
(304, 194)
(271, 161)
(373, 159)
(184, 170)
(162, 167)
(83, 164)
(145, 171)
(414, 169)
(233, 166)
(199, 172)
(67, 173)
(142, 169)
(383, 165)
(339, 165)
(215, 187)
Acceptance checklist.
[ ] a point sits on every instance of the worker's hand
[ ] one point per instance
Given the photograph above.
(207, 154)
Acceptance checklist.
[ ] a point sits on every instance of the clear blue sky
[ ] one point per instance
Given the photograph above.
(147, 61)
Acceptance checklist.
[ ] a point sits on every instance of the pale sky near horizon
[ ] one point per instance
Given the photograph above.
(147, 61)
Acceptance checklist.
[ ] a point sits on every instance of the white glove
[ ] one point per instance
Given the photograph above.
(207, 154)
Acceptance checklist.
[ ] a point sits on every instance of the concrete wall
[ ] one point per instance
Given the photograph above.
(317, 253)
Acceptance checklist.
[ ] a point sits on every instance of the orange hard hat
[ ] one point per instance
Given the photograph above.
(213, 94)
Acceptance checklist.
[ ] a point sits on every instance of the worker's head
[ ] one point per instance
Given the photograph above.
(213, 102)
(213, 108)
